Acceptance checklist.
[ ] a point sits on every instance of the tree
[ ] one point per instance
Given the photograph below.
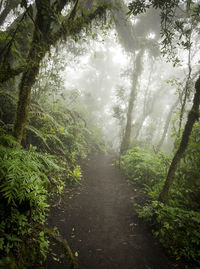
(134, 39)
(135, 77)
(193, 116)
(178, 20)
(49, 27)
(167, 123)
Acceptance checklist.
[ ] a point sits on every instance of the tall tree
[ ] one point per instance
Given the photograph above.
(135, 78)
(49, 27)
(166, 127)
(182, 18)
(134, 38)
(193, 116)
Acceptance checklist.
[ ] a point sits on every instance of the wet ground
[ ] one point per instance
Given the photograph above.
(101, 225)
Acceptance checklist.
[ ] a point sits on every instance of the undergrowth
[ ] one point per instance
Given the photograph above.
(24, 185)
(176, 224)
(45, 164)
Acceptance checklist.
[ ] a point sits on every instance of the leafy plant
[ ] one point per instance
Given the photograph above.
(176, 224)
(75, 175)
(177, 229)
(143, 167)
(23, 195)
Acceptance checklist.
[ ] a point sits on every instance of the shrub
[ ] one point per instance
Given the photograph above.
(23, 202)
(177, 229)
(144, 167)
(177, 224)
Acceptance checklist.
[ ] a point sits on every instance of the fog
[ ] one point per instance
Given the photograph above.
(117, 74)
(101, 75)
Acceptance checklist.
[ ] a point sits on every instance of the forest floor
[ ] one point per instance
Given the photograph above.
(101, 225)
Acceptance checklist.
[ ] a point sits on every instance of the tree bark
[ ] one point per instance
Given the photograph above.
(136, 73)
(192, 118)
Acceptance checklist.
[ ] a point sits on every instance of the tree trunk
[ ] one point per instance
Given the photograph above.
(147, 106)
(166, 127)
(124, 27)
(28, 79)
(36, 54)
(192, 117)
(136, 73)
(138, 125)
(42, 39)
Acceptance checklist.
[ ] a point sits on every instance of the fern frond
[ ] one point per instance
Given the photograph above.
(8, 141)
(55, 140)
(38, 134)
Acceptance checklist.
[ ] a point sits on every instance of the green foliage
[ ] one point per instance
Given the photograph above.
(176, 27)
(8, 106)
(177, 224)
(61, 131)
(75, 175)
(23, 195)
(143, 167)
(177, 229)
(186, 190)
(28, 177)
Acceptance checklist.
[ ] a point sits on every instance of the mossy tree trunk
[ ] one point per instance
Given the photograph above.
(43, 37)
(193, 116)
(39, 47)
(136, 73)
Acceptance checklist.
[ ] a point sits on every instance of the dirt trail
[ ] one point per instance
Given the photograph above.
(101, 224)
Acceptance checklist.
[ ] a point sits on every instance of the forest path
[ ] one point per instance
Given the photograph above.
(101, 224)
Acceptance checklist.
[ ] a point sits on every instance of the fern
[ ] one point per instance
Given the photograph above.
(55, 140)
(24, 188)
(8, 141)
(38, 134)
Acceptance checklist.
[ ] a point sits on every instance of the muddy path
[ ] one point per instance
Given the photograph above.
(100, 223)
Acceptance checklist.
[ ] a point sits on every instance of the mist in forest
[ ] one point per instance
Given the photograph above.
(101, 77)
(99, 71)
(99, 126)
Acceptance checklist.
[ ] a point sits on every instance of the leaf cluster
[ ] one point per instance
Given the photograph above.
(176, 224)
(178, 19)
(24, 188)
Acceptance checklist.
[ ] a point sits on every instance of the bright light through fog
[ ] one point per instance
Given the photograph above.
(115, 57)
(151, 36)
(118, 55)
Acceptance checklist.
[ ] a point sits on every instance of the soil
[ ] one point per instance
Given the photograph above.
(100, 223)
